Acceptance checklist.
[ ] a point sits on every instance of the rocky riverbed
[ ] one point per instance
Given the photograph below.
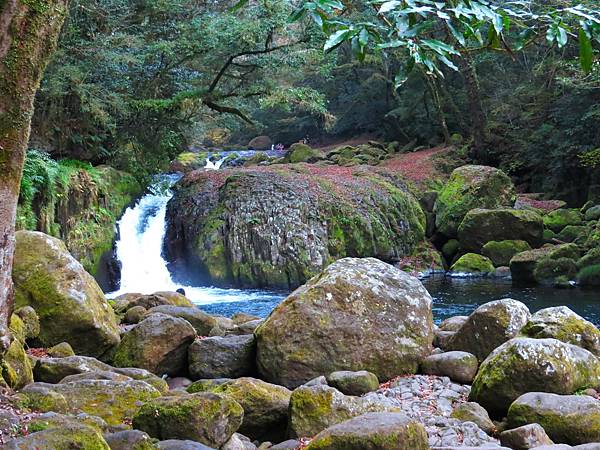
(350, 360)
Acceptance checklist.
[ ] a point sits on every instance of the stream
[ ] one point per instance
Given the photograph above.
(144, 270)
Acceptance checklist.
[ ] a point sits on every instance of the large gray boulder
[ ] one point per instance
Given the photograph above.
(69, 303)
(528, 365)
(358, 314)
(525, 437)
(568, 419)
(222, 357)
(489, 326)
(458, 366)
(158, 344)
(374, 431)
(561, 323)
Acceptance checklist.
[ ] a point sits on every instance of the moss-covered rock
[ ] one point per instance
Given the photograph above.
(15, 367)
(70, 304)
(532, 365)
(129, 440)
(201, 321)
(374, 431)
(61, 350)
(569, 419)
(474, 412)
(474, 264)
(315, 408)
(589, 276)
(345, 319)
(591, 258)
(548, 270)
(470, 187)
(592, 213)
(203, 417)
(481, 226)
(574, 233)
(280, 225)
(164, 298)
(353, 383)
(303, 153)
(450, 249)
(489, 326)
(158, 344)
(265, 407)
(523, 265)
(458, 366)
(222, 357)
(71, 436)
(113, 401)
(561, 323)
(31, 321)
(40, 398)
(558, 219)
(501, 252)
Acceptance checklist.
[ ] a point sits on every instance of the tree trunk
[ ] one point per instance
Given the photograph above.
(28, 33)
(478, 117)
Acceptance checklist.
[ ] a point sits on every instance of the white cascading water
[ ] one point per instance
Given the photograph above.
(139, 249)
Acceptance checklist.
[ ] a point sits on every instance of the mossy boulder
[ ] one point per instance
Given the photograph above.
(591, 258)
(303, 153)
(523, 265)
(61, 350)
(593, 213)
(256, 159)
(569, 419)
(558, 219)
(31, 322)
(528, 365)
(470, 187)
(222, 357)
(260, 143)
(374, 431)
(358, 314)
(481, 226)
(158, 344)
(70, 304)
(127, 301)
(474, 412)
(561, 323)
(458, 366)
(265, 407)
(188, 161)
(548, 270)
(589, 276)
(201, 321)
(15, 367)
(113, 401)
(71, 436)
(54, 370)
(205, 417)
(129, 440)
(353, 383)
(280, 225)
(574, 233)
(450, 249)
(489, 326)
(501, 252)
(315, 408)
(474, 264)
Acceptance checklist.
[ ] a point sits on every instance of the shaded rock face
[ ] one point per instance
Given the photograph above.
(563, 324)
(458, 366)
(222, 357)
(489, 326)
(158, 344)
(528, 365)
(481, 226)
(470, 187)
(380, 431)
(569, 419)
(69, 303)
(279, 226)
(358, 314)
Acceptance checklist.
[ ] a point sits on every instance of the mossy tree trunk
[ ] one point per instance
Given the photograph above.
(28, 33)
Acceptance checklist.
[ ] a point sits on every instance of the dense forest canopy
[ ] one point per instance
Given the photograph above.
(135, 83)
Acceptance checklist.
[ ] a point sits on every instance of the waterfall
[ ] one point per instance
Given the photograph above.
(139, 250)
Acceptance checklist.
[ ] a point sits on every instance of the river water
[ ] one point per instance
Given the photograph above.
(144, 270)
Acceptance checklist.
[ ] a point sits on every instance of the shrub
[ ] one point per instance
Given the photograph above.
(589, 276)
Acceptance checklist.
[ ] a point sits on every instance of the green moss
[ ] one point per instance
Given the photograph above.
(558, 219)
(302, 153)
(473, 263)
(589, 276)
(591, 258)
(548, 269)
(501, 252)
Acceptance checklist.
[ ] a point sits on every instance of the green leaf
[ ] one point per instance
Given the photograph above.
(238, 5)
(389, 6)
(440, 47)
(586, 57)
(337, 38)
(561, 38)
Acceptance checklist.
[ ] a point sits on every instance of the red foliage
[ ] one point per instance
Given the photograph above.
(416, 166)
(38, 352)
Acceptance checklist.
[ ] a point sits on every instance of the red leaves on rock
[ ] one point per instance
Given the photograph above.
(416, 166)
(38, 352)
